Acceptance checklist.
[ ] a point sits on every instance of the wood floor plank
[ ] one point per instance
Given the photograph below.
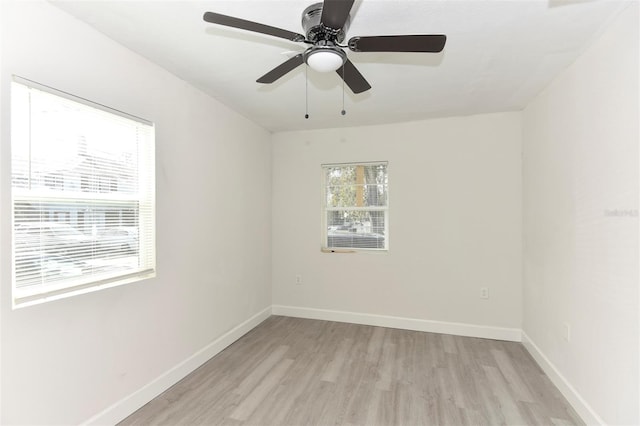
(508, 401)
(335, 365)
(262, 389)
(516, 384)
(449, 343)
(384, 367)
(251, 381)
(291, 371)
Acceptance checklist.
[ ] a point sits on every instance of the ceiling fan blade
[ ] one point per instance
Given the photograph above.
(353, 78)
(335, 13)
(399, 43)
(230, 21)
(281, 69)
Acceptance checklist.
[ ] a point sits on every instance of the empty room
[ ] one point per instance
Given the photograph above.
(285, 212)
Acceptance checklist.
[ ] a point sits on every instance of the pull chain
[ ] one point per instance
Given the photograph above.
(343, 112)
(306, 92)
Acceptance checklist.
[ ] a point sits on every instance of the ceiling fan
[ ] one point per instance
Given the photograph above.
(326, 25)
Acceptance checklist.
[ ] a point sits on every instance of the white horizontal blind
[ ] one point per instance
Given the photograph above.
(356, 210)
(83, 192)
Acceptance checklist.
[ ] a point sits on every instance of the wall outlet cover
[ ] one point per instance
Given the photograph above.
(484, 292)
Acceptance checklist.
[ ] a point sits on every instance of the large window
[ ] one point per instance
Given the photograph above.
(83, 194)
(356, 210)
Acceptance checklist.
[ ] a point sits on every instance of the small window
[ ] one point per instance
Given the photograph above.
(356, 206)
(83, 195)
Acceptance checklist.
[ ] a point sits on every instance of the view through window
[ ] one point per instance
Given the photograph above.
(356, 212)
(83, 195)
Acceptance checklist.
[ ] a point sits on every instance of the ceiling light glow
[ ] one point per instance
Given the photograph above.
(325, 60)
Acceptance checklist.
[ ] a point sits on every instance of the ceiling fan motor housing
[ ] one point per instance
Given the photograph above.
(315, 31)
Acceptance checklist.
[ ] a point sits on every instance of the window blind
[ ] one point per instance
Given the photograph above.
(83, 194)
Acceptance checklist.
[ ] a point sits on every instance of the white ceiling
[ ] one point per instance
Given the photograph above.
(499, 54)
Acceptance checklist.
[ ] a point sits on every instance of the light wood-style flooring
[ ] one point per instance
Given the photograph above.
(291, 371)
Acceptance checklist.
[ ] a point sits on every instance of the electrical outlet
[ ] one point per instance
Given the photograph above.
(298, 279)
(484, 292)
(566, 332)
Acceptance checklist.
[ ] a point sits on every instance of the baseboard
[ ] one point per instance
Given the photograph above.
(458, 329)
(128, 405)
(584, 410)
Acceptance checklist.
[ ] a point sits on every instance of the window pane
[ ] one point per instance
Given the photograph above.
(356, 185)
(67, 146)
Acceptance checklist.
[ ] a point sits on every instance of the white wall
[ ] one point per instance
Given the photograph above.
(65, 361)
(455, 221)
(580, 165)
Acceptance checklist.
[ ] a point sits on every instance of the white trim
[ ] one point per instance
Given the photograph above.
(584, 410)
(356, 163)
(455, 328)
(128, 405)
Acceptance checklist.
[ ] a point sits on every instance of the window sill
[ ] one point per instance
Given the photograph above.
(336, 250)
(24, 300)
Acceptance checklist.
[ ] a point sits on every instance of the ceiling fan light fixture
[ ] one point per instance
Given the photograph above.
(325, 59)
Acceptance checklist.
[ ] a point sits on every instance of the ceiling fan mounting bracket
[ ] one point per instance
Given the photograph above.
(316, 31)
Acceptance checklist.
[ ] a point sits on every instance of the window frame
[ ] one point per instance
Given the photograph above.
(325, 208)
(23, 296)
